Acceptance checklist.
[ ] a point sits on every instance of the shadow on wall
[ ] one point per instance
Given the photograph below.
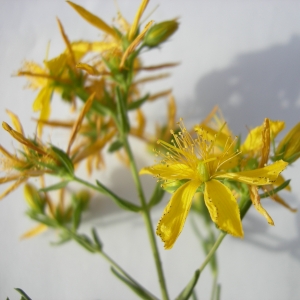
(257, 85)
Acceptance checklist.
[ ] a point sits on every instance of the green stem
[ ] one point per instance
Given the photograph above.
(212, 250)
(147, 220)
(113, 264)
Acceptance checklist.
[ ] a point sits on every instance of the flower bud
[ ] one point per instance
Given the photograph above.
(82, 199)
(160, 32)
(33, 198)
(289, 147)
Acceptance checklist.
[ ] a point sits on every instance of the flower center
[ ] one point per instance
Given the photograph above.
(203, 169)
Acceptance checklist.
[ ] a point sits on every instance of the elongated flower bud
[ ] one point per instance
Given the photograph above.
(160, 32)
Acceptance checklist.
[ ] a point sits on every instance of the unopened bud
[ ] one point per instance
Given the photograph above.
(33, 198)
(160, 32)
(289, 147)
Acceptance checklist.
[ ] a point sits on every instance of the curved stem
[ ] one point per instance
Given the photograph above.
(147, 220)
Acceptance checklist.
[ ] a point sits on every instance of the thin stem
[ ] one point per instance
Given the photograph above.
(213, 250)
(147, 220)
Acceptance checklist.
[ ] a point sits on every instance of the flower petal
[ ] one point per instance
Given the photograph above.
(94, 20)
(262, 176)
(256, 202)
(223, 208)
(171, 223)
(172, 171)
(253, 141)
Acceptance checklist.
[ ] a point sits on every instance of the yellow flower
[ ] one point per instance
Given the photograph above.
(51, 77)
(193, 161)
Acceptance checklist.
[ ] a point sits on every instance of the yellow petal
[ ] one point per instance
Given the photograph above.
(174, 171)
(223, 208)
(94, 20)
(42, 100)
(56, 64)
(172, 221)
(34, 231)
(254, 196)
(88, 68)
(15, 121)
(262, 176)
(253, 141)
(135, 43)
(67, 42)
(137, 18)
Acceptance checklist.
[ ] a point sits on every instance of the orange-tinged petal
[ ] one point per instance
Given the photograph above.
(94, 20)
(277, 198)
(266, 143)
(79, 120)
(170, 172)
(15, 121)
(256, 202)
(262, 176)
(223, 208)
(172, 221)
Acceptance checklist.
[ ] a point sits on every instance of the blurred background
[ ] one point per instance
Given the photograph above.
(241, 55)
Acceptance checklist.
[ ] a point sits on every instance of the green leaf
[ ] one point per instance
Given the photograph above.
(157, 195)
(116, 145)
(188, 290)
(76, 216)
(42, 218)
(64, 159)
(138, 290)
(119, 201)
(122, 111)
(56, 186)
(24, 295)
(84, 241)
(97, 239)
(138, 103)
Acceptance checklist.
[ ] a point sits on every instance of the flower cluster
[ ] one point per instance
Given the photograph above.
(213, 163)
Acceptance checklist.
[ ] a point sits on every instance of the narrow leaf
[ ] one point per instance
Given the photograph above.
(54, 187)
(116, 145)
(121, 202)
(97, 239)
(24, 295)
(64, 159)
(188, 290)
(139, 291)
(138, 103)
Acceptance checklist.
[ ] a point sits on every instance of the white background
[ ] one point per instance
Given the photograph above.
(242, 55)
